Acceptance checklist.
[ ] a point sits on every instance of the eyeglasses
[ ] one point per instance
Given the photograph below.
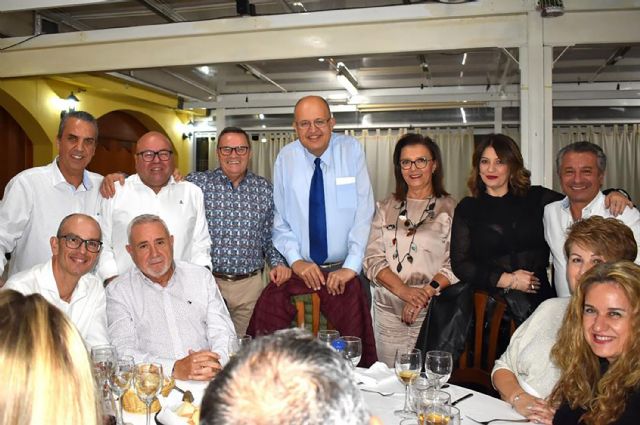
(148, 156)
(318, 123)
(74, 242)
(422, 162)
(240, 150)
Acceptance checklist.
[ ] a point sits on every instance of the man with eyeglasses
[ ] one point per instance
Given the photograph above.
(323, 210)
(239, 208)
(37, 199)
(153, 190)
(66, 280)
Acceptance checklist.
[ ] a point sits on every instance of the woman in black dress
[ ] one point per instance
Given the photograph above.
(497, 239)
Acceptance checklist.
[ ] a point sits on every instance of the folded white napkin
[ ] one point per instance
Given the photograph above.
(378, 378)
(166, 416)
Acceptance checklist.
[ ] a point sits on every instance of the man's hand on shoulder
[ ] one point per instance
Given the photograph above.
(280, 274)
(177, 176)
(310, 273)
(108, 186)
(337, 280)
(616, 202)
(197, 366)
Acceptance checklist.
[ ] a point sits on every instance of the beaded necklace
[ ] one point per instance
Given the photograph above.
(427, 214)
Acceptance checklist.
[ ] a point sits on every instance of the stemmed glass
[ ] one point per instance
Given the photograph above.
(438, 366)
(237, 343)
(327, 336)
(147, 381)
(408, 363)
(104, 358)
(352, 349)
(119, 381)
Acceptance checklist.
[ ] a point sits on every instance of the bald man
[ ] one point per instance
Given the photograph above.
(65, 280)
(153, 190)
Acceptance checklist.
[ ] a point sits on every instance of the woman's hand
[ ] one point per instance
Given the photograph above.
(541, 413)
(520, 280)
(410, 313)
(526, 402)
(417, 297)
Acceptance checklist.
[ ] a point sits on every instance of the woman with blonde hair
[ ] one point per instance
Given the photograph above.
(598, 350)
(46, 371)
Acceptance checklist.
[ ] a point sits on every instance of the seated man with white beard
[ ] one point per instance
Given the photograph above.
(165, 311)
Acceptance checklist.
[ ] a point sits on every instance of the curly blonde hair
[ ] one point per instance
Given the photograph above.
(582, 384)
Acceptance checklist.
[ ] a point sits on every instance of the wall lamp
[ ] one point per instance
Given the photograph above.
(346, 79)
(70, 103)
(188, 130)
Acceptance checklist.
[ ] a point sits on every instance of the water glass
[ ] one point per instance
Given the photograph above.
(237, 343)
(103, 358)
(119, 382)
(433, 407)
(438, 365)
(352, 349)
(327, 336)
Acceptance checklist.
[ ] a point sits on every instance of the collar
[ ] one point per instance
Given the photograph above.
(325, 158)
(58, 177)
(155, 285)
(222, 177)
(135, 178)
(47, 281)
(586, 211)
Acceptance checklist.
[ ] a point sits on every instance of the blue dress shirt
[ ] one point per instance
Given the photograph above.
(348, 201)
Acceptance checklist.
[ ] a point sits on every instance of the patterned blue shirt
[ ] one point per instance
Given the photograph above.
(240, 221)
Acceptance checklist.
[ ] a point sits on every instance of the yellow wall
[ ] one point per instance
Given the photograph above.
(35, 104)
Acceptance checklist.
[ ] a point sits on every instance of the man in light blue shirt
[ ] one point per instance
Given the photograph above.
(340, 222)
(347, 192)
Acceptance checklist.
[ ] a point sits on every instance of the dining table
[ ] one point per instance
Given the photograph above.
(382, 392)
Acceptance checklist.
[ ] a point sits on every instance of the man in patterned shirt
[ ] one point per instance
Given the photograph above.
(239, 210)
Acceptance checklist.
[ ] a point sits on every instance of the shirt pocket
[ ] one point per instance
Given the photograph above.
(346, 192)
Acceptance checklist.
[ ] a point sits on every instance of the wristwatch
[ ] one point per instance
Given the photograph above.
(435, 285)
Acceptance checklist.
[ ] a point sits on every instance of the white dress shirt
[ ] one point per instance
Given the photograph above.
(161, 324)
(347, 194)
(180, 205)
(558, 219)
(35, 202)
(86, 309)
(528, 355)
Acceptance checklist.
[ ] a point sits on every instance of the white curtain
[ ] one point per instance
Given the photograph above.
(621, 144)
(456, 145)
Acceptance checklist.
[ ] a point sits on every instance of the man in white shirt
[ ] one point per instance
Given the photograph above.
(581, 168)
(65, 280)
(37, 199)
(167, 312)
(154, 191)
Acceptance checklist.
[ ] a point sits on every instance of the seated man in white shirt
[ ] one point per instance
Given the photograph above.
(165, 311)
(65, 280)
(152, 190)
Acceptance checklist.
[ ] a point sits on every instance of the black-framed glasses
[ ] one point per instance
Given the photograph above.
(148, 156)
(73, 242)
(240, 150)
(319, 123)
(421, 162)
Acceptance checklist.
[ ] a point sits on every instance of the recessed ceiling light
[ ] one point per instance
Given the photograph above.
(320, 59)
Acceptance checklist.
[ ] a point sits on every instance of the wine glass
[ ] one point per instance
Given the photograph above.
(408, 363)
(237, 343)
(104, 358)
(147, 381)
(327, 336)
(352, 349)
(438, 366)
(119, 382)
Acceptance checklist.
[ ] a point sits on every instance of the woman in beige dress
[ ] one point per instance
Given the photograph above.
(407, 258)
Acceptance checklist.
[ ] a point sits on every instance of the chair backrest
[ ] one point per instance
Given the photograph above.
(315, 314)
(478, 373)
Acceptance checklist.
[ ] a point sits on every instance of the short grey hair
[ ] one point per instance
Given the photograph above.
(143, 219)
(288, 378)
(80, 115)
(583, 147)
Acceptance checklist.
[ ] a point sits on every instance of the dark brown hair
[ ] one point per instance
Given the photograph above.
(437, 180)
(509, 153)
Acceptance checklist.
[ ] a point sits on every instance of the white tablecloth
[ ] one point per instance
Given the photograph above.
(480, 406)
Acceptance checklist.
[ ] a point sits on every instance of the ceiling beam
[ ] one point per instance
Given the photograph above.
(163, 10)
(418, 27)
(17, 5)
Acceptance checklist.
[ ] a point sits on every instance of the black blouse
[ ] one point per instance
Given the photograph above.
(492, 235)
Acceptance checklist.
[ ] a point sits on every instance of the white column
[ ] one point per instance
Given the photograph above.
(220, 123)
(497, 119)
(549, 151)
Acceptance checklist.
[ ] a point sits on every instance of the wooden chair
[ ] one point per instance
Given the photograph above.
(316, 318)
(477, 374)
